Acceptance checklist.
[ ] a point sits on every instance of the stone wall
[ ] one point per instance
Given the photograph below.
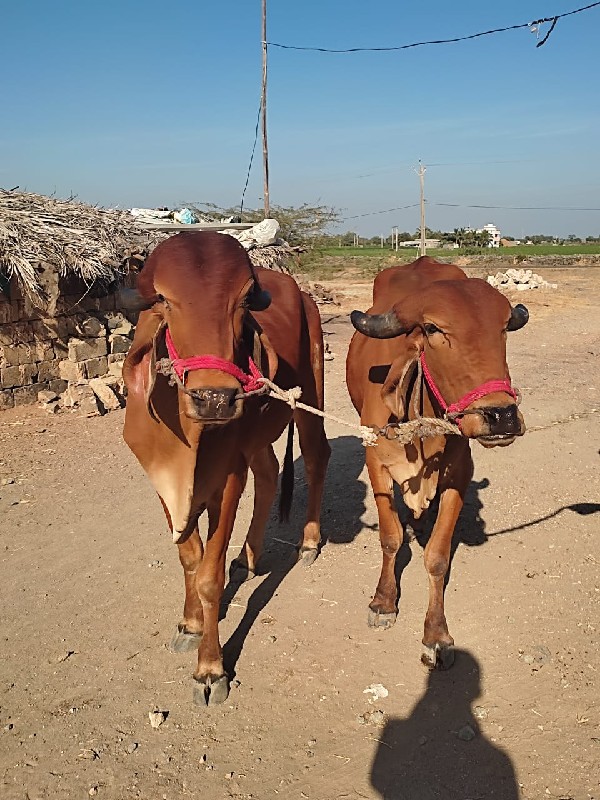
(71, 359)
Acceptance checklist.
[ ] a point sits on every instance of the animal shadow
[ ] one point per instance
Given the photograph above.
(343, 506)
(439, 751)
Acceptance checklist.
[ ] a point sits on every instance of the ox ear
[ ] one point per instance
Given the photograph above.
(518, 318)
(158, 343)
(132, 300)
(395, 390)
(259, 346)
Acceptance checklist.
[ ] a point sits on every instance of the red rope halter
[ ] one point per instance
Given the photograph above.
(458, 408)
(181, 366)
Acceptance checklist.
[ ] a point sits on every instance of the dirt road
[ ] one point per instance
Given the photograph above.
(91, 591)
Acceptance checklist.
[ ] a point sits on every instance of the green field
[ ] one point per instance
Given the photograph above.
(410, 253)
(327, 262)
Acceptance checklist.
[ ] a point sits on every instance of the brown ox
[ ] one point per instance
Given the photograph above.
(454, 327)
(197, 435)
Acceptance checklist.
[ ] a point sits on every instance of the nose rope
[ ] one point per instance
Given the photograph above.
(458, 408)
(181, 366)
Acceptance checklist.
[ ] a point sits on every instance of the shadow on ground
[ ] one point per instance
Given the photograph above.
(439, 751)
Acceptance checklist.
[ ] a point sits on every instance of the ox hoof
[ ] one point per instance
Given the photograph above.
(440, 656)
(183, 641)
(211, 691)
(239, 572)
(307, 556)
(379, 619)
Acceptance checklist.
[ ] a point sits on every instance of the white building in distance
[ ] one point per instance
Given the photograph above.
(494, 233)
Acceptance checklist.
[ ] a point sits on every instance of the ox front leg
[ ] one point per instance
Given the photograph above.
(383, 609)
(265, 469)
(211, 683)
(315, 452)
(438, 645)
(189, 631)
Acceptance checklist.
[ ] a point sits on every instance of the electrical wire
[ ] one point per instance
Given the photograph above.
(251, 157)
(553, 20)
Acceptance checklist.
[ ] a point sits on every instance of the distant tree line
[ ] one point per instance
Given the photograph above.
(307, 226)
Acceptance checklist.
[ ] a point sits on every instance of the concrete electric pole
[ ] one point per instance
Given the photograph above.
(263, 106)
(421, 173)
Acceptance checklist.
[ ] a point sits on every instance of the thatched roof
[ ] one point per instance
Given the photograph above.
(73, 238)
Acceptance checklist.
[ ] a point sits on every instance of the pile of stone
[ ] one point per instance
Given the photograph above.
(519, 279)
(93, 366)
(71, 361)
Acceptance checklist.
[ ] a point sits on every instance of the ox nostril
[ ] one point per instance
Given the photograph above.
(215, 404)
(502, 420)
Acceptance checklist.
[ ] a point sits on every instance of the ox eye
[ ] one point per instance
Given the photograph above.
(430, 328)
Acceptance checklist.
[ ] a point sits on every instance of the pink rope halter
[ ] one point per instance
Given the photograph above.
(458, 408)
(181, 366)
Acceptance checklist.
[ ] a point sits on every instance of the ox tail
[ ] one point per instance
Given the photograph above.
(287, 477)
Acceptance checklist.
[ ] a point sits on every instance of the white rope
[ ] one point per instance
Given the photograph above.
(403, 432)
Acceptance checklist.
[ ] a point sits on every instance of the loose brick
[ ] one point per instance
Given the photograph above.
(105, 394)
(119, 343)
(84, 349)
(58, 386)
(95, 367)
(72, 371)
(115, 364)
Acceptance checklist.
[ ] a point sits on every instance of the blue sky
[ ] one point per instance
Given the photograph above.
(146, 103)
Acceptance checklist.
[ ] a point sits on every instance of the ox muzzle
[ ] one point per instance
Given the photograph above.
(214, 405)
(493, 425)
(210, 404)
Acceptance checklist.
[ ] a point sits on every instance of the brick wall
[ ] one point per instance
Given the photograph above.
(62, 355)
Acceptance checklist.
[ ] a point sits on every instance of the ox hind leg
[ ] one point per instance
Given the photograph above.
(315, 452)
(383, 609)
(211, 683)
(437, 643)
(265, 469)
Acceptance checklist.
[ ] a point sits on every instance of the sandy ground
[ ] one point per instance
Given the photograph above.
(91, 590)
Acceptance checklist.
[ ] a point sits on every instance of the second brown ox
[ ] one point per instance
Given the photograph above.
(210, 316)
(433, 339)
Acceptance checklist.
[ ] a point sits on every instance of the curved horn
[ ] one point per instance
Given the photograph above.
(258, 299)
(378, 326)
(518, 318)
(132, 300)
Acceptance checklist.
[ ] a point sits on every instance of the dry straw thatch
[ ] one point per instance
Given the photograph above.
(74, 238)
(71, 237)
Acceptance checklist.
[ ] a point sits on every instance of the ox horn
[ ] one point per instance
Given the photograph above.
(258, 299)
(518, 318)
(132, 300)
(378, 326)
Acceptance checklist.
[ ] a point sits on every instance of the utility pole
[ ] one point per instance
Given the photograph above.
(263, 107)
(421, 173)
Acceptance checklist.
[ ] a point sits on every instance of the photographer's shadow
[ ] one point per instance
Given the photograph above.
(439, 751)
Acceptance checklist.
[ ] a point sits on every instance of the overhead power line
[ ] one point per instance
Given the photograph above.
(385, 211)
(516, 208)
(534, 26)
(465, 205)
